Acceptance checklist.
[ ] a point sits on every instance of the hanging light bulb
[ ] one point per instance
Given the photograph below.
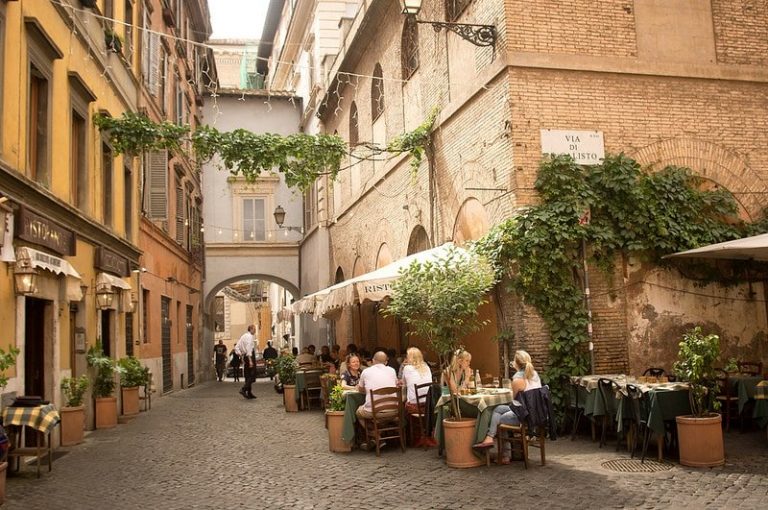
(219, 231)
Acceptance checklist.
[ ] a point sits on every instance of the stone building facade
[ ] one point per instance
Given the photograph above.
(668, 83)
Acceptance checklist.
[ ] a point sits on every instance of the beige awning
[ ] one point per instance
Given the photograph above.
(47, 261)
(114, 281)
(748, 248)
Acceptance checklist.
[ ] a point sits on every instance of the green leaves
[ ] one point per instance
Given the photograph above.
(301, 157)
(696, 358)
(415, 142)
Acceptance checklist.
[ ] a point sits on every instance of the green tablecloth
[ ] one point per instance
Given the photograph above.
(760, 414)
(469, 406)
(744, 386)
(300, 385)
(352, 401)
(666, 405)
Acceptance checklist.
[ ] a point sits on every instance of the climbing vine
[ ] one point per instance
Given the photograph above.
(415, 142)
(302, 158)
(631, 211)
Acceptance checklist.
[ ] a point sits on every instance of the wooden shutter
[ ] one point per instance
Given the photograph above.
(180, 215)
(146, 50)
(154, 64)
(157, 165)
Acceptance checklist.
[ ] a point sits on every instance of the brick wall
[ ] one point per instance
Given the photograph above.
(741, 31)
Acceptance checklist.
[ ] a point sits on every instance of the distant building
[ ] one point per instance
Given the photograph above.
(236, 63)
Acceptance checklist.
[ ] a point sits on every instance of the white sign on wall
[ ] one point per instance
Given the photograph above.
(585, 147)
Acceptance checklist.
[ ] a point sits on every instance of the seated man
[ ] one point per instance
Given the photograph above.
(377, 376)
(305, 357)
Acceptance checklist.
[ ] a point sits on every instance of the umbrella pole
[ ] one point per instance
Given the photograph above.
(588, 306)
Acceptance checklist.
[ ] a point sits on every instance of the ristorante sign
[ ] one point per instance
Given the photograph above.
(111, 262)
(39, 230)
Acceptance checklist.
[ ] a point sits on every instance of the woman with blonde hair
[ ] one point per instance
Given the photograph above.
(415, 371)
(457, 375)
(525, 378)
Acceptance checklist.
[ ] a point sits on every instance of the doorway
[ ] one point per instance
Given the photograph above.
(106, 332)
(35, 328)
(165, 339)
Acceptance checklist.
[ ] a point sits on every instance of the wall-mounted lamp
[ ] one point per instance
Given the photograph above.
(479, 35)
(24, 275)
(104, 296)
(280, 218)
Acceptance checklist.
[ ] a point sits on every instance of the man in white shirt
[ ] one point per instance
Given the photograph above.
(377, 376)
(245, 349)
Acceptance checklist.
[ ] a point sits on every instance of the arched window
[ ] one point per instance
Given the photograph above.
(454, 8)
(409, 47)
(377, 92)
(354, 134)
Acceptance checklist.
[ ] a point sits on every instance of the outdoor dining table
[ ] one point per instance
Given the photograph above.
(479, 405)
(352, 400)
(39, 419)
(744, 386)
(760, 414)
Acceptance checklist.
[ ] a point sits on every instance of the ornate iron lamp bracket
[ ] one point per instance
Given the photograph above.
(479, 35)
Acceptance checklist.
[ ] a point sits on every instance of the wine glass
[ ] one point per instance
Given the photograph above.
(495, 382)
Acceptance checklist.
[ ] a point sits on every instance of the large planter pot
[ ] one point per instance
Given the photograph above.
(106, 412)
(459, 437)
(72, 425)
(130, 400)
(289, 398)
(334, 420)
(701, 440)
(3, 472)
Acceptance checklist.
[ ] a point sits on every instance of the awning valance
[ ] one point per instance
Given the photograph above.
(114, 281)
(47, 261)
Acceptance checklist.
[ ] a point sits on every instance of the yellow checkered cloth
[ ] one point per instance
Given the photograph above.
(761, 390)
(42, 418)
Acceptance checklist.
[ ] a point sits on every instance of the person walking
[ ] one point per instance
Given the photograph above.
(220, 359)
(270, 354)
(234, 362)
(245, 349)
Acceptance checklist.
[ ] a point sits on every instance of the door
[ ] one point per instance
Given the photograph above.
(190, 351)
(129, 334)
(34, 347)
(106, 332)
(165, 313)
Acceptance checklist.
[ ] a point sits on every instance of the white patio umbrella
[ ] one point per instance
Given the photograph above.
(748, 248)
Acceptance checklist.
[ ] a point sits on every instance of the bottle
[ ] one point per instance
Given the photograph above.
(478, 383)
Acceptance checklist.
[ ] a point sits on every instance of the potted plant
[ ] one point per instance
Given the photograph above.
(132, 375)
(285, 366)
(439, 300)
(7, 360)
(103, 386)
(113, 41)
(700, 435)
(73, 413)
(334, 420)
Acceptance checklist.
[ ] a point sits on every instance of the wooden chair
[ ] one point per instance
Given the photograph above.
(387, 420)
(729, 403)
(638, 420)
(312, 388)
(750, 367)
(533, 430)
(421, 415)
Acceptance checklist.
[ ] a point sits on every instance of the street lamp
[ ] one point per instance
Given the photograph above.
(24, 275)
(280, 218)
(104, 296)
(479, 35)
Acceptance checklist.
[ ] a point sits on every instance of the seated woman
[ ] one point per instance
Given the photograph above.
(525, 378)
(457, 375)
(351, 376)
(415, 371)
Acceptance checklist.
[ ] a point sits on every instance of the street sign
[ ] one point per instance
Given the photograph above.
(585, 147)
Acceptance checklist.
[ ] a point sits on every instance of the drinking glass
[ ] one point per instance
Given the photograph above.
(495, 382)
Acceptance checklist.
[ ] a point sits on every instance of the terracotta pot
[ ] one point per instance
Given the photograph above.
(3, 471)
(106, 412)
(701, 440)
(289, 398)
(459, 437)
(334, 420)
(72, 425)
(130, 400)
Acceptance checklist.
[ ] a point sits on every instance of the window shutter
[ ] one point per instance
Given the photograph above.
(154, 64)
(157, 163)
(146, 52)
(180, 215)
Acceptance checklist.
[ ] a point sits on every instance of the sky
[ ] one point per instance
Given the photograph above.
(237, 19)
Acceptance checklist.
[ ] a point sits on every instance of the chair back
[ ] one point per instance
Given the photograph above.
(538, 404)
(386, 402)
(750, 367)
(607, 388)
(421, 390)
(637, 403)
(655, 372)
(312, 378)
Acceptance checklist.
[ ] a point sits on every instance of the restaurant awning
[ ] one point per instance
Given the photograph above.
(373, 286)
(748, 248)
(114, 281)
(47, 261)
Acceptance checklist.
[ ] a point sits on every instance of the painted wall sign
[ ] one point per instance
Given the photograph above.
(39, 230)
(585, 147)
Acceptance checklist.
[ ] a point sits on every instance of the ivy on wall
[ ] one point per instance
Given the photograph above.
(631, 212)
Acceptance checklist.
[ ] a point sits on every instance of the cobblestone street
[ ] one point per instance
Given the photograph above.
(209, 448)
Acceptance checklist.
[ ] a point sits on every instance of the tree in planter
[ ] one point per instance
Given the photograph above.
(132, 374)
(337, 399)
(104, 381)
(696, 359)
(285, 366)
(73, 389)
(439, 300)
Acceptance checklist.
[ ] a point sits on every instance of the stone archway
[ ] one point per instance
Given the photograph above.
(725, 168)
(384, 256)
(471, 222)
(418, 241)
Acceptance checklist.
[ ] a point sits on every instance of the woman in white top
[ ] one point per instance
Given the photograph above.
(525, 378)
(415, 371)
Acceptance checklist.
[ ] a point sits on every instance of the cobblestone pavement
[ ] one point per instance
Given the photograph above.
(207, 447)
